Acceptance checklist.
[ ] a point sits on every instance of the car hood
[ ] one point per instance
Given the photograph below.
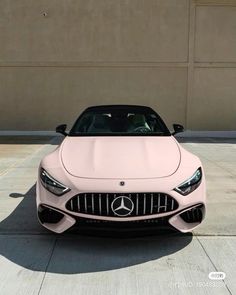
(120, 157)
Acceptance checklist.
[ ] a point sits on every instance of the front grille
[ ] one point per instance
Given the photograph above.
(100, 204)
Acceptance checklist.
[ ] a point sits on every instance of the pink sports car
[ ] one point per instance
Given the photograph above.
(120, 167)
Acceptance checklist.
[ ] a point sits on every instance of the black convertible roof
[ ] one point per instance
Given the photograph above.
(119, 106)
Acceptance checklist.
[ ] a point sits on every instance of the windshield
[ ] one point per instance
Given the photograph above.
(119, 121)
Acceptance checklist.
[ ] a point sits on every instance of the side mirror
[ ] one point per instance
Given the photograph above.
(62, 129)
(177, 128)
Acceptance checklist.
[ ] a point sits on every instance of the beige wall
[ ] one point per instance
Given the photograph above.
(178, 56)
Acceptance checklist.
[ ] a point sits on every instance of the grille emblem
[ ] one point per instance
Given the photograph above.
(122, 206)
(122, 183)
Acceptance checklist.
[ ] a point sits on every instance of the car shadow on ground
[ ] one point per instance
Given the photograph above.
(27, 244)
(205, 140)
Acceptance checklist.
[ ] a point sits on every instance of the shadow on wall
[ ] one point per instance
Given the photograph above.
(26, 243)
(56, 140)
(30, 139)
(212, 140)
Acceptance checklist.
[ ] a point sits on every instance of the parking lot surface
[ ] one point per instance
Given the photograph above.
(36, 261)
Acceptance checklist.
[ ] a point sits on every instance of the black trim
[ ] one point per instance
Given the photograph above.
(118, 134)
(147, 226)
(118, 106)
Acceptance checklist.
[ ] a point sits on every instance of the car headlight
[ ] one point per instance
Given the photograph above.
(190, 184)
(52, 185)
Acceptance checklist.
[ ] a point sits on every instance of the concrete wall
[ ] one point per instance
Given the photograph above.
(60, 56)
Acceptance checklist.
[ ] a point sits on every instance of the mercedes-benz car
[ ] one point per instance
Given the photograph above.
(120, 167)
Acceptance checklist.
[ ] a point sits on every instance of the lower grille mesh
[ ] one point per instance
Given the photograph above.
(193, 215)
(100, 204)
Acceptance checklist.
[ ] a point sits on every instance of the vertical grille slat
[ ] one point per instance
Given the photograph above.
(78, 203)
(85, 203)
(172, 204)
(92, 199)
(137, 204)
(158, 204)
(71, 205)
(196, 214)
(151, 210)
(107, 203)
(100, 205)
(165, 203)
(143, 204)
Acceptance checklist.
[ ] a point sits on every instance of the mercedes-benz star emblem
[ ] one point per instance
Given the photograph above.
(122, 206)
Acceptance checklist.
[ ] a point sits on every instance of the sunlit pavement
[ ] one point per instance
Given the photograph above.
(35, 261)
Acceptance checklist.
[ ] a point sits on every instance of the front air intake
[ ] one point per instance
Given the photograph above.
(47, 215)
(193, 215)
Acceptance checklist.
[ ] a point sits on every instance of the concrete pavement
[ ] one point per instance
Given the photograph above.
(35, 261)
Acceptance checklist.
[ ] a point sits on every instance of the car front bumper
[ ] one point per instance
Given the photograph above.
(54, 215)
